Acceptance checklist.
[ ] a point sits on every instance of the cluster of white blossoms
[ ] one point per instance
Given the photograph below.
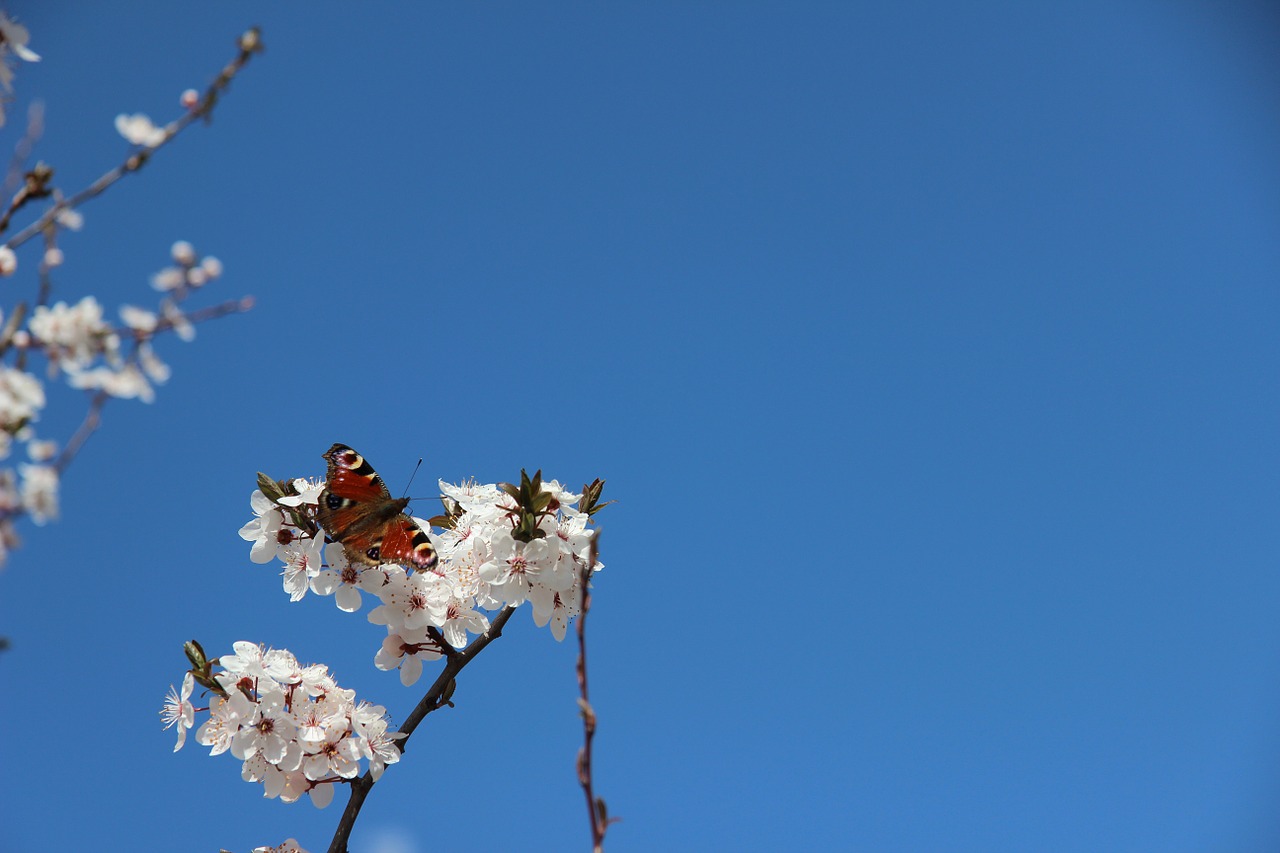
(42, 339)
(76, 341)
(482, 566)
(295, 730)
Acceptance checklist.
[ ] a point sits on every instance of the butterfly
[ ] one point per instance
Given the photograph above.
(358, 512)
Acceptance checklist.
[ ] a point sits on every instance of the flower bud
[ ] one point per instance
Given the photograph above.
(251, 40)
(212, 266)
(184, 253)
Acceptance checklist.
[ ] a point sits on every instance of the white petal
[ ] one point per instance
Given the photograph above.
(322, 795)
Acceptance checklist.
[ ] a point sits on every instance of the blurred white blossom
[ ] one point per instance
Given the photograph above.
(70, 218)
(126, 383)
(139, 130)
(40, 492)
(13, 39)
(183, 253)
(138, 319)
(73, 335)
(41, 450)
(21, 398)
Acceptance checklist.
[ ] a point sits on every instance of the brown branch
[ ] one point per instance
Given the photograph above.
(597, 813)
(249, 44)
(92, 420)
(437, 697)
(35, 186)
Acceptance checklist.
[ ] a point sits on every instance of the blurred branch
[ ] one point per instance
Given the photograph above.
(88, 426)
(437, 697)
(36, 185)
(93, 417)
(21, 151)
(249, 44)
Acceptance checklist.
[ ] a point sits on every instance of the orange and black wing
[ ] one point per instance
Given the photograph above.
(357, 511)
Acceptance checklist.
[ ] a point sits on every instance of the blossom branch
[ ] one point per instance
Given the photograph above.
(212, 312)
(98, 400)
(93, 417)
(597, 813)
(435, 698)
(249, 44)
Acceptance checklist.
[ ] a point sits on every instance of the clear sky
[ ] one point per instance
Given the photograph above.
(930, 351)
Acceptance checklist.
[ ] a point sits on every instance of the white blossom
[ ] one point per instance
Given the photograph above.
(41, 450)
(178, 711)
(183, 253)
(169, 278)
(265, 530)
(13, 39)
(70, 218)
(289, 845)
(155, 369)
(139, 130)
(40, 492)
(211, 266)
(138, 319)
(125, 382)
(72, 334)
(21, 398)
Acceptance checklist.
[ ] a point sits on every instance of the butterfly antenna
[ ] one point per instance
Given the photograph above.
(411, 476)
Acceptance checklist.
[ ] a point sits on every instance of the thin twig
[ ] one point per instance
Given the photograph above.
(212, 312)
(36, 185)
(21, 151)
(249, 44)
(88, 426)
(597, 814)
(435, 698)
(46, 272)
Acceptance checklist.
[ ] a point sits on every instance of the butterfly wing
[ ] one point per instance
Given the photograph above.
(404, 542)
(357, 511)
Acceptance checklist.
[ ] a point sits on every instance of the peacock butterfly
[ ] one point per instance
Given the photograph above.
(357, 511)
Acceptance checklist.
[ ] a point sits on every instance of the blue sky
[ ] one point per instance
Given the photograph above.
(930, 353)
